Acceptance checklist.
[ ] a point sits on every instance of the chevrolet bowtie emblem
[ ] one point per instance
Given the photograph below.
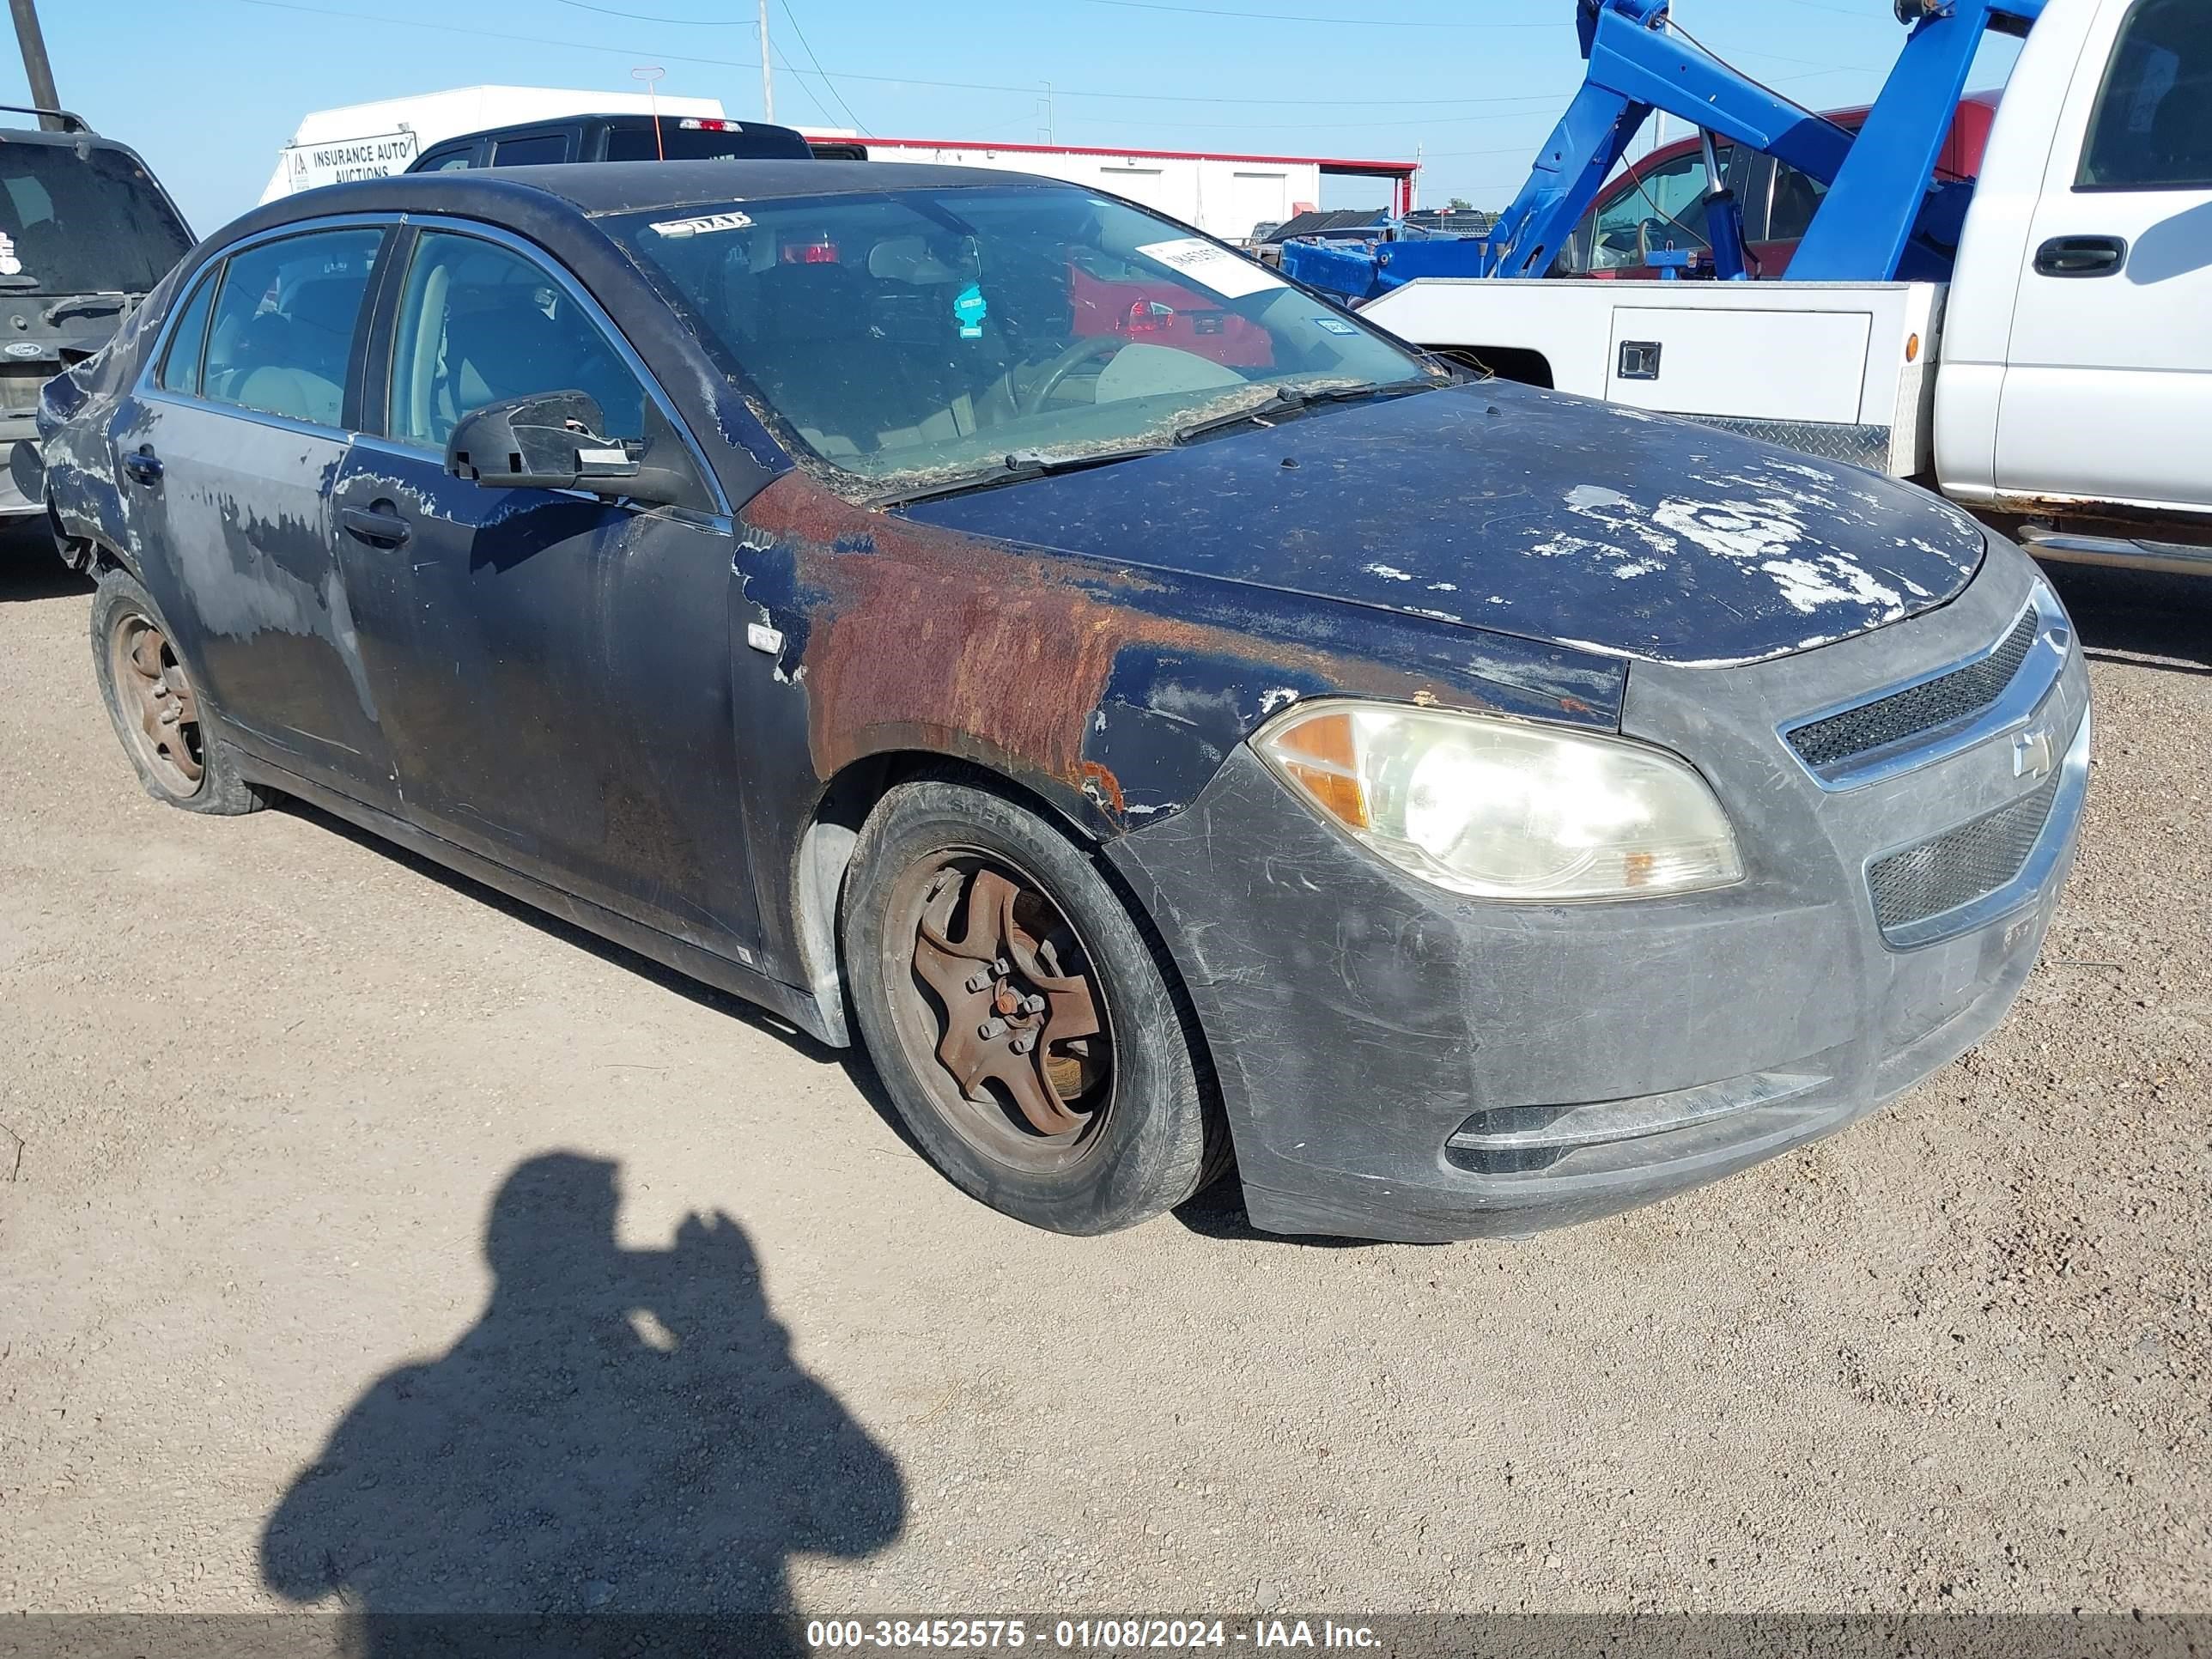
(2031, 754)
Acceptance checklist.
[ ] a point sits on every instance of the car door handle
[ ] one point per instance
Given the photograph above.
(143, 464)
(379, 527)
(2081, 256)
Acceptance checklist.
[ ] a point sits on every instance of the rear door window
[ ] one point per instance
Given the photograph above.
(181, 362)
(282, 329)
(2152, 128)
(534, 149)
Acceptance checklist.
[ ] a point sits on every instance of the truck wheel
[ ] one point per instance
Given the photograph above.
(1021, 1021)
(166, 729)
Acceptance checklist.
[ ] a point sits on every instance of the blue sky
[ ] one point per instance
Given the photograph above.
(207, 90)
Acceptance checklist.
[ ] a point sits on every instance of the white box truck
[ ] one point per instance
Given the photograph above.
(369, 141)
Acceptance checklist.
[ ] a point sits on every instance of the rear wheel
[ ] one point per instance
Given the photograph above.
(151, 695)
(1021, 1021)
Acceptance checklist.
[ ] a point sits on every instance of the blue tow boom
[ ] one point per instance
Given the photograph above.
(1884, 215)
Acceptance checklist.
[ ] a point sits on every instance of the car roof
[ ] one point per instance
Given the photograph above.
(627, 187)
(521, 197)
(63, 140)
(550, 204)
(611, 118)
(1852, 115)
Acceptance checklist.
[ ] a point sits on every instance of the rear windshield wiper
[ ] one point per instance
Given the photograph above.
(1293, 400)
(107, 299)
(1014, 469)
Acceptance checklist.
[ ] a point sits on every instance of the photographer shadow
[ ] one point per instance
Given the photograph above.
(623, 1432)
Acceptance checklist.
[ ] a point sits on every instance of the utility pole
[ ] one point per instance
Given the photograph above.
(767, 75)
(36, 69)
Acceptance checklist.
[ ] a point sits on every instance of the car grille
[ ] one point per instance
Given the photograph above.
(1960, 864)
(1959, 695)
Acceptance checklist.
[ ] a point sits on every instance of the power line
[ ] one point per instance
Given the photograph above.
(633, 52)
(1294, 17)
(819, 69)
(1840, 11)
(783, 62)
(681, 22)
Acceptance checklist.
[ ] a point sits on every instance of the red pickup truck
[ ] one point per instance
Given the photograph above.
(1658, 202)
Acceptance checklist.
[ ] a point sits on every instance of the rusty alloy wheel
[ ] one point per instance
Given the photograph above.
(999, 1011)
(155, 693)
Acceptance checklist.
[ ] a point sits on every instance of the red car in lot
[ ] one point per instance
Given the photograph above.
(1659, 200)
(1139, 307)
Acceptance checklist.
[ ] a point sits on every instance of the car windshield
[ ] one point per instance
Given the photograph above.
(82, 219)
(916, 337)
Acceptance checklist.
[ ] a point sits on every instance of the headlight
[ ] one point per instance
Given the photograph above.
(1504, 809)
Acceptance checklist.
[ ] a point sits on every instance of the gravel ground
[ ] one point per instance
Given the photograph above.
(285, 1096)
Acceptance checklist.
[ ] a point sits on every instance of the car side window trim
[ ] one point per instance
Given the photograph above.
(149, 385)
(375, 416)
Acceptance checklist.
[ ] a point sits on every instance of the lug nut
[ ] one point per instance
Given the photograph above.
(169, 715)
(1032, 1004)
(991, 1028)
(978, 981)
(1023, 1042)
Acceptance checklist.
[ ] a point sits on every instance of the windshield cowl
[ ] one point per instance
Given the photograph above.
(1287, 404)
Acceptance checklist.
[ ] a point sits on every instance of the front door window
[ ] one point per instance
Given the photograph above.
(480, 324)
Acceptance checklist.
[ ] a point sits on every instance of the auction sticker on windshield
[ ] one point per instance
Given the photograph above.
(1216, 268)
(703, 224)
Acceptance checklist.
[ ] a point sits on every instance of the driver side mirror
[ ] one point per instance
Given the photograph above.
(546, 442)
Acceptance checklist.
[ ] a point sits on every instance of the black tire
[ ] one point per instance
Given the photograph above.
(188, 765)
(1158, 1136)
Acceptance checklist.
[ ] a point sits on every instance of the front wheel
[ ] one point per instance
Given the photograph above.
(1022, 1024)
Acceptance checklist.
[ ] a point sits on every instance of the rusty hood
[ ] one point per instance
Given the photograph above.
(1519, 511)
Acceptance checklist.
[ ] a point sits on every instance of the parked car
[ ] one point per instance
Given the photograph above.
(1658, 202)
(1475, 807)
(613, 138)
(85, 232)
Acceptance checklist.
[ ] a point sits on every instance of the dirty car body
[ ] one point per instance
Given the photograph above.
(1112, 597)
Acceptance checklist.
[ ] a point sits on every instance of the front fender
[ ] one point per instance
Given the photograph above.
(1116, 691)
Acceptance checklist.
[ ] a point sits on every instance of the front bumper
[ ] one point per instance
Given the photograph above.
(1401, 1063)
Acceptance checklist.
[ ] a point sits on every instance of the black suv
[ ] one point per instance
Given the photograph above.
(614, 138)
(85, 231)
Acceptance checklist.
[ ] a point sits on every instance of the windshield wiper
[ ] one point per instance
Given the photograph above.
(1293, 400)
(1286, 400)
(107, 299)
(1013, 469)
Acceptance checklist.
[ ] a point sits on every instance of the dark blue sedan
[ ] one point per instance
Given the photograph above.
(1167, 719)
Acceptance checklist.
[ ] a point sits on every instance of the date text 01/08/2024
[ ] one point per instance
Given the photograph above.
(1087, 1635)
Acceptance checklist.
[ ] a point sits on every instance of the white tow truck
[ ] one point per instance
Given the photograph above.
(2037, 345)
